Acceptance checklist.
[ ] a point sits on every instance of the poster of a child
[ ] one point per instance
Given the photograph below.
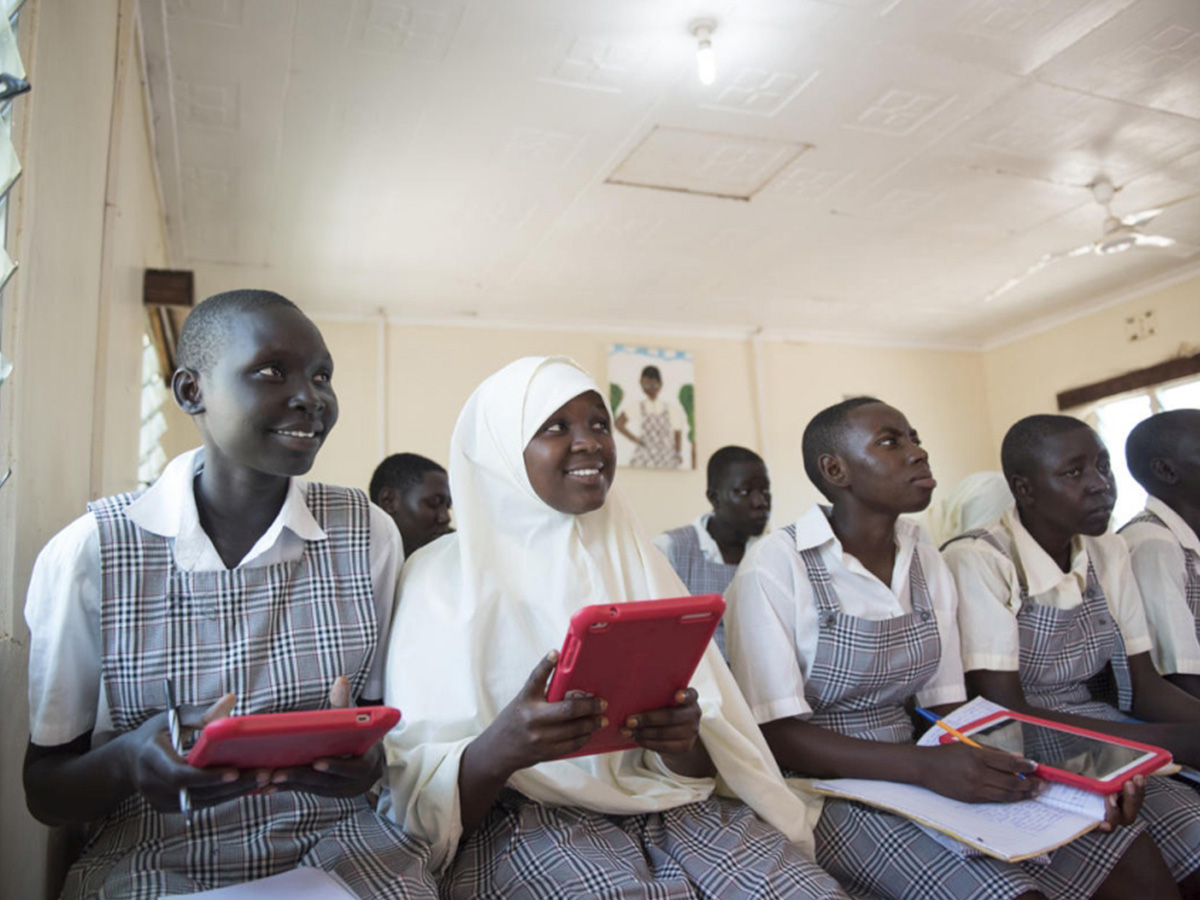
(652, 393)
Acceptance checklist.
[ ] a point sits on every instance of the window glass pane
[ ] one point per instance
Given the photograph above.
(1114, 421)
(1181, 396)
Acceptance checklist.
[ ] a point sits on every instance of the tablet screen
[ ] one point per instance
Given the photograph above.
(1063, 750)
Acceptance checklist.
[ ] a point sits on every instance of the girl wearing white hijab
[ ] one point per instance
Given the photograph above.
(475, 766)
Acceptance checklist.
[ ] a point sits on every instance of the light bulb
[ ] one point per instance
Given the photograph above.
(706, 59)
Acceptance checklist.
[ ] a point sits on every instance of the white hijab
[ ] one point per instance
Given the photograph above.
(978, 500)
(479, 608)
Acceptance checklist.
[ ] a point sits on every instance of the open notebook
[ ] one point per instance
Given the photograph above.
(1008, 831)
(303, 883)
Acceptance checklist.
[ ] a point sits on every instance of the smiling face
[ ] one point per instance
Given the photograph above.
(571, 458)
(267, 403)
(742, 498)
(422, 512)
(881, 461)
(651, 386)
(1068, 488)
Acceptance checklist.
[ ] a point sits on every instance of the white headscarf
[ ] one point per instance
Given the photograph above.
(978, 500)
(479, 608)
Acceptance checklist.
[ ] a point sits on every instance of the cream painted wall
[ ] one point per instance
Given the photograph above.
(941, 393)
(431, 371)
(73, 325)
(1024, 377)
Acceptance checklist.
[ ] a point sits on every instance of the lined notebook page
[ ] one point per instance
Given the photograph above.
(303, 883)
(1009, 831)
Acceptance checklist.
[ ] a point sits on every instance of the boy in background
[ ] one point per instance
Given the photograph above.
(415, 492)
(706, 553)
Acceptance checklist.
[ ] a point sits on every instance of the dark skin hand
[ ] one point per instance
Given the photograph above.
(953, 770)
(73, 784)
(673, 734)
(969, 774)
(347, 776)
(1168, 715)
(531, 730)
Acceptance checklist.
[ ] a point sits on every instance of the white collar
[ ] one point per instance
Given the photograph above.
(1174, 521)
(168, 508)
(1041, 572)
(814, 530)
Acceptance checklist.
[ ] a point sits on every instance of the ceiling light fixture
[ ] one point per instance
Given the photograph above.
(706, 60)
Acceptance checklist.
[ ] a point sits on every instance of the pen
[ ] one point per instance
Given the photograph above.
(955, 732)
(185, 802)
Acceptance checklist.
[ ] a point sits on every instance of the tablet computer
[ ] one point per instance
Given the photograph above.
(1076, 756)
(278, 740)
(634, 655)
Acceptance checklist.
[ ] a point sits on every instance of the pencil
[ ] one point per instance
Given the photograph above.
(950, 728)
(185, 802)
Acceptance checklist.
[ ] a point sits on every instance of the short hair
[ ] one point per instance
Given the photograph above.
(1023, 441)
(725, 459)
(202, 337)
(652, 372)
(823, 434)
(401, 471)
(1161, 435)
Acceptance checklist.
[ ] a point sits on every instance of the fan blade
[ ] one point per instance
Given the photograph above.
(1133, 220)
(1152, 241)
(1044, 261)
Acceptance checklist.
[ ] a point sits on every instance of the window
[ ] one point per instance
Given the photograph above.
(1114, 418)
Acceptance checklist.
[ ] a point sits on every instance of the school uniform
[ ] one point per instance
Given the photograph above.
(480, 608)
(696, 558)
(814, 635)
(1165, 555)
(134, 592)
(1061, 630)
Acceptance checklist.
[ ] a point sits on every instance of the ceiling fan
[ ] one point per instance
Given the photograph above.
(1120, 233)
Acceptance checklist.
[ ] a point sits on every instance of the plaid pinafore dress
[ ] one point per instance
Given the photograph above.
(277, 636)
(1191, 561)
(863, 673)
(1064, 656)
(657, 449)
(700, 574)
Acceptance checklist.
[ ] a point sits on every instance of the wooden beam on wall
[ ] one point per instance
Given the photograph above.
(1130, 381)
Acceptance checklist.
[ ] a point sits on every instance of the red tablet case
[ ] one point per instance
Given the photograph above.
(1159, 757)
(634, 655)
(277, 740)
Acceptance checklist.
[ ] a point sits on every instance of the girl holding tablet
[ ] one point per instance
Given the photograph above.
(476, 765)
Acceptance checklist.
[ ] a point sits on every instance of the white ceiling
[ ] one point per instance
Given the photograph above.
(480, 159)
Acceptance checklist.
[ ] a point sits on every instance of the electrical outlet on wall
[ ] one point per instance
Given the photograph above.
(1140, 326)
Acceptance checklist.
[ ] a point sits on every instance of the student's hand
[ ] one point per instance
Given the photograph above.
(333, 776)
(531, 729)
(977, 774)
(672, 733)
(669, 731)
(1122, 807)
(157, 772)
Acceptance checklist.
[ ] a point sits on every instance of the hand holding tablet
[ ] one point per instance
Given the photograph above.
(636, 656)
(1075, 756)
(280, 740)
